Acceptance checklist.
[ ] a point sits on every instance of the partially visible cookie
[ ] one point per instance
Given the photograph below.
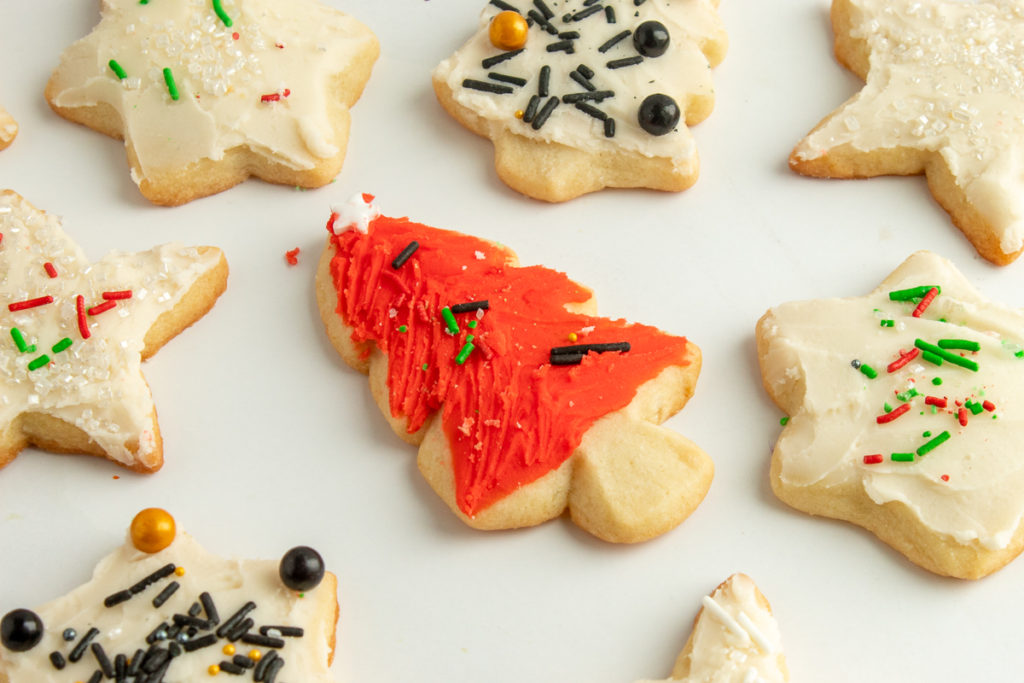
(524, 404)
(73, 335)
(735, 639)
(206, 94)
(944, 96)
(8, 129)
(903, 415)
(175, 612)
(578, 96)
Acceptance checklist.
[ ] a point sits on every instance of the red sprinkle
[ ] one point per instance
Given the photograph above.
(988, 405)
(272, 97)
(903, 360)
(873, 459)
(925, 302)
(235, 35)
(421, 310)
(368, 198)
(30, 303)
(122, 294)
(945, 477)
(83, 324)
(889, 417)
(962, 416)
(292, 256)
(481, 343)
(102, 308)
(50, 270)
(279, 46)
(935, 401)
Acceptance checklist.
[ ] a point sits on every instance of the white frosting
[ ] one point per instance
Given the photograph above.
(355, 214)
(123, 628)
(220, 79)
(96, 384)
(735, 640)
(945, 77)
(681, 72)
(969, 487)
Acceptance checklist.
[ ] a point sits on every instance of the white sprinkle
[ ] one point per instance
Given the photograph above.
(755, 633)
(726, 618)
(479, 255)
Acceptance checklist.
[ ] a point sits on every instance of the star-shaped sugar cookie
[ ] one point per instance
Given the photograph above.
(73, 335)
(578, 96)
(904, 415)
(206, 93)
(944, 96)
(735, 639)
(8, 128)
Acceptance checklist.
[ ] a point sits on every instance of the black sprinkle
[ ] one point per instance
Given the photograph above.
(609, 14)
(243, 661)
(609, 128)
(588, 3)
(239, 630)
(498, 59)
(133, 668)
(470, 306)
(159, 633)
(287, 631)
(625, 61)
(397, 263)
(592, 111)
(544, 81)
(161, 573)
(173, 649)
(57, 659)
(158, 675)
(486, 87)
(117, 598)
(569, 35)
(261, 668)
(231, 668)
(566, 18)
(69, 634)
(211, 609)
(613, 41)
(584, 13)
(96, 677)
(562, 45)
(584, 348)
(155, 659)
(263, 640)
(544, 113)
(273, 669)
(585, 71)
(504, 78)
(582, 80)
(173, 631)
(186, 620)
(531, 109)
(236, 618)
(567, 359)
(637, 3)
(543, 7)
(542, 21)
(195, 609)
(120, 667)
(79, 650)
(597, 95)
(103, 660)
(166, 593)
(504, 5)
(201, 642)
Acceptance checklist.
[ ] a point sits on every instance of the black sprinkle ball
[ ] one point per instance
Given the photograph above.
(651, 39)
(21, 630)
(302, 568)
(658, 114)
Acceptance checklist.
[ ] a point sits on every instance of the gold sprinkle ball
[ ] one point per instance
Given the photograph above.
(573, 337)
(519, 113)
(152, 530)
(255, 655)
(214, 669)
(179, 571)
(508, 30)
(229, 649)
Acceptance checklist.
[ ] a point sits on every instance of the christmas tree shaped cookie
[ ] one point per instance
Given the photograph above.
(523, 402)
(579, 95)
(207, 93)
(73, 335)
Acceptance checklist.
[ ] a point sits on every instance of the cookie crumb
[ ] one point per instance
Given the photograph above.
(292, 256)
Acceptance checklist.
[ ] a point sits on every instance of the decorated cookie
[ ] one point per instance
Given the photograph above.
(178, 613)
(206, 94)
(902, 410)
(944, 97)
(577, 95)
(735, 639)
(73, 335)
(523, 403)
(8, 129)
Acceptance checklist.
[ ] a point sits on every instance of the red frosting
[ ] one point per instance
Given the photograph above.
(509, 415)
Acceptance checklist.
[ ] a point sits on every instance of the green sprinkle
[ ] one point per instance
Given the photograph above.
(62, 344)
(946, 355)
(908, 394)
(936, 381)
(39, 362)
(426, 366)
(934, 443)
(143, 2)
(784, 421)
(469, 338)
(974, 407)
(19, 339)
(172, 87)
(467, 349)
(934, 410)
(887, 407)
(902, 457)
(868, 370)
(887, 323)
(403, 329)
(963, 344)
(943, 320)
(221, 13)
(449, 320)
(927, 434)
(931, 358)
(1019, 354)
(472, 324)
(116, 68)
(995, 417)
(912, 293)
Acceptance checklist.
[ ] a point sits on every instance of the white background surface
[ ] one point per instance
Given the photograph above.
(271, 441)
